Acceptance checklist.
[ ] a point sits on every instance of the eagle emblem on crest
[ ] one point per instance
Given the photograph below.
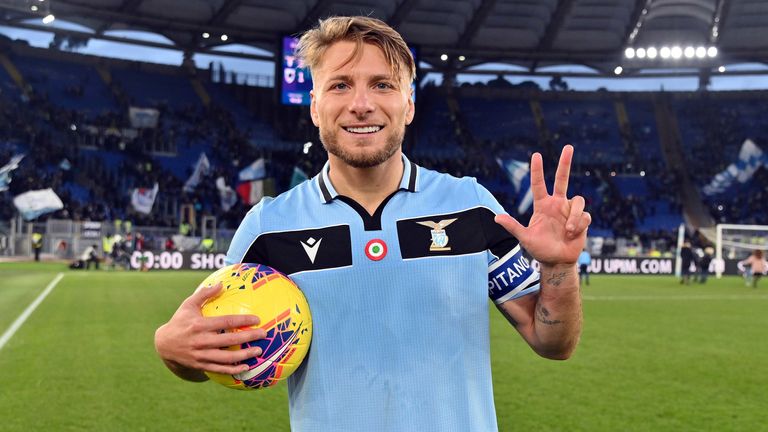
(439, 237)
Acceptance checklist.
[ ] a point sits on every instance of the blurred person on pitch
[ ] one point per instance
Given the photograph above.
(89, 256)
(704, 262)
(687, 259)
(753, 267)
(585, 259)
(397, 261)
(107, 243)
(37, 244)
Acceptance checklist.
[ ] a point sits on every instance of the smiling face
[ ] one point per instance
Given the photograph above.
(359, 106)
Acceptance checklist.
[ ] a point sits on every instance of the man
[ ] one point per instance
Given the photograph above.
(37, 244)
(397, 262)
(753, 267)
(686, 261)
(704, 263)
(585, 259)
(90, 256)
(206, 244)
(106, 249)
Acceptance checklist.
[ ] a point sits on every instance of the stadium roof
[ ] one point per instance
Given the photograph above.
(528, 33)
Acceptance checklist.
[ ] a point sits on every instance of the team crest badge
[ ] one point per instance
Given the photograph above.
(439, 237)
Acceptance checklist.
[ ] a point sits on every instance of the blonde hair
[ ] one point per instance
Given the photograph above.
(360, 30)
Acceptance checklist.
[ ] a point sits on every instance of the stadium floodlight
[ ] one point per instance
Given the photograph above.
(49, 19)
(224, 37)
(676, 52)
(642, 173)
(665, 52)
(712, 52)
(629, 53)
(618, 70)
(27, 6)
(462, 58)
(689, 52)
(721, 69)
(652, 52)
(640, 52)
(444, 57)
(206, 35)
(701, 52)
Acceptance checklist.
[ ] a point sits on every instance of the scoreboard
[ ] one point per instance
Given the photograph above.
(295, 79)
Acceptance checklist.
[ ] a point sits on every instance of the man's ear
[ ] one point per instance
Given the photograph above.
(411, 107)
(313, 108)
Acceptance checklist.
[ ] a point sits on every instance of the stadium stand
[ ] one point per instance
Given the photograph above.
(78, 117)
(712, 134)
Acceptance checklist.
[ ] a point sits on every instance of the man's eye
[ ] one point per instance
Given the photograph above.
(340, 86)
(383, 86)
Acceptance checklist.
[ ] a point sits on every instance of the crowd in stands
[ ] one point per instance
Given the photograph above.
(747, 204)
(715, 132)
(66, 150)
(49, 135)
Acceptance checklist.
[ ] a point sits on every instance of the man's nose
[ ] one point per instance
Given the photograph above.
(361, 103)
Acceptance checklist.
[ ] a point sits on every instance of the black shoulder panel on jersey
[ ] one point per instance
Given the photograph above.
(500, 241)
(469, 231)
(295, 251)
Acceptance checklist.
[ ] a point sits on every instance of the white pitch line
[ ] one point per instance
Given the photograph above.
(676, 297)
(28, 311)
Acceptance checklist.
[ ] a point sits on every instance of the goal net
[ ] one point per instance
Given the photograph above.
(735, 241)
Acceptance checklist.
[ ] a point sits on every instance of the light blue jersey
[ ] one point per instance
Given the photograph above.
(399, 300)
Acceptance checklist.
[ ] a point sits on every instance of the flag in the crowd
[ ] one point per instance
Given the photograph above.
(255, 171)
(5, 171)
(32, 204)
(143, 117)
(298, 177)
(251, 192)
(201, 168)
(142, 199)
(519, 173)
(750, 159)
(227, 195)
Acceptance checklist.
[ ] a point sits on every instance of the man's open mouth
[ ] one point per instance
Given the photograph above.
(362, 130)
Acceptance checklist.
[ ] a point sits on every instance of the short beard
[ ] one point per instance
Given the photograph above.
(329, 138)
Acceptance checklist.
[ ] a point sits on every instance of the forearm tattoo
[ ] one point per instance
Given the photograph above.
(542, 315)
(555, 279)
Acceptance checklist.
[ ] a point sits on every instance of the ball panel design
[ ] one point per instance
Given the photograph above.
(265, 292)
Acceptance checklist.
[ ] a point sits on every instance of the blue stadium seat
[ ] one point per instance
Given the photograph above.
(67, 84)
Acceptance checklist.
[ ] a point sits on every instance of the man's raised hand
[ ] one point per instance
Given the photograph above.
(557, 231)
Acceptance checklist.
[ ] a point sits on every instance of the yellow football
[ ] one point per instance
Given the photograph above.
(265, 292)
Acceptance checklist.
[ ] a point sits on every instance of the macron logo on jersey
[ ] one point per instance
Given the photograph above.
(310, 247)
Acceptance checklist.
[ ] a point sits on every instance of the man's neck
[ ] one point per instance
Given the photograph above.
(367, 186)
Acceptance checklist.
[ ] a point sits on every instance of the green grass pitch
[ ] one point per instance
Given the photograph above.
(654, 356)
